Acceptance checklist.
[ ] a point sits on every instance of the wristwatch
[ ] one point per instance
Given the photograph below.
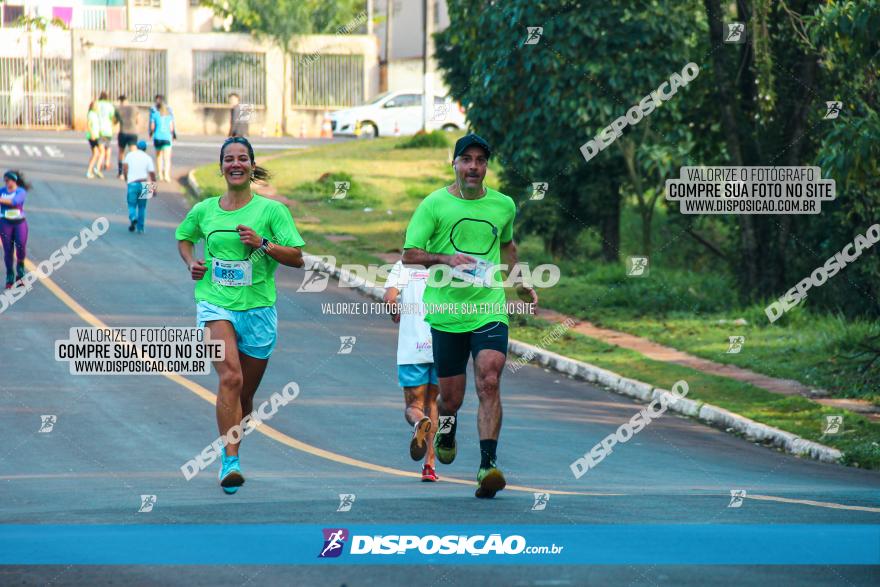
(265, 244)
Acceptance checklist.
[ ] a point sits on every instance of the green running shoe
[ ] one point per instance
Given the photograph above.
(489, 482)
(444, 440)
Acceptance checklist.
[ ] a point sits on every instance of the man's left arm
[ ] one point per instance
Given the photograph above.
(510, 257)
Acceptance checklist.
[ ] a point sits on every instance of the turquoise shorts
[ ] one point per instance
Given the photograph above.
(416, 374)
(256, 330)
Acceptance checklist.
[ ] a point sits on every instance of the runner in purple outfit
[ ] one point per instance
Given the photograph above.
(13, 225)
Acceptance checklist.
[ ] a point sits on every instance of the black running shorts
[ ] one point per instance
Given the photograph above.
(452, 349)
(126, 139)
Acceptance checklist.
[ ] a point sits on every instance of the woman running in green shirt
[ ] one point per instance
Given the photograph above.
(246, 237)
(93, 134)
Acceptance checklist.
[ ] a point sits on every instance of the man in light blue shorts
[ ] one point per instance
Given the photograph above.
(416, 372)
(246, 237)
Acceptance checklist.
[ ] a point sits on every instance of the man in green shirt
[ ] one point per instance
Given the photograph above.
(465, 229)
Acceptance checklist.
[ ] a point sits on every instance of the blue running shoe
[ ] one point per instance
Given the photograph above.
(230, 474)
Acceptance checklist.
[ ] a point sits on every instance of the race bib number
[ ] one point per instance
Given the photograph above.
(474, 273)
(12, 214)
(231, 273)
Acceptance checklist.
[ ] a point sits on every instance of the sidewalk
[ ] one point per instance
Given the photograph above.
(666, 354)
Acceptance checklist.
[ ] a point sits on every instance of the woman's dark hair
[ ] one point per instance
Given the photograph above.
(102, 96)
(18, 177)
(260, 173)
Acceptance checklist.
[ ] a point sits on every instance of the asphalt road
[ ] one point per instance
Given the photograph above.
(116, 438)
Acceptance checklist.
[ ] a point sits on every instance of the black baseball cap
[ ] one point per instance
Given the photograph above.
(470, 140)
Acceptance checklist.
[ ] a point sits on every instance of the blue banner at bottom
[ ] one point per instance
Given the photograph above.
(187, 544)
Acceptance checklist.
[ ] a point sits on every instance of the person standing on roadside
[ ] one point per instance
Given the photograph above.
(107, 117)
(129, 120)
(13, 224)
(93, 134)
(162, 133)
(467, 227)
(140, 177)
(416, 372)
(246, 237)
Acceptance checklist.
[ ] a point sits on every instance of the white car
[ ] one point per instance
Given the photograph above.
(397, 113)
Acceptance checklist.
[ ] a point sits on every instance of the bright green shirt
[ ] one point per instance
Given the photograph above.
(446, 224)
(94, 130)
(106, 114)
(268, 218)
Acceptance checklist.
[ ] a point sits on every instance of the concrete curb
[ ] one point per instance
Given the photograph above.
(192, 183)
(644, 392)
(712, 415)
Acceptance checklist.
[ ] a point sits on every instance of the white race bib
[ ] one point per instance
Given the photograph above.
(231, 273)
(474, 273)
(12, 214)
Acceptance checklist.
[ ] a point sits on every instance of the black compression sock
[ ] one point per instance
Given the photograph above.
(487, 453)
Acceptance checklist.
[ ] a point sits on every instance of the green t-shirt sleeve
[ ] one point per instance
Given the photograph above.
(421, 227)
(507, 229)
(189, 229)
(283, 228)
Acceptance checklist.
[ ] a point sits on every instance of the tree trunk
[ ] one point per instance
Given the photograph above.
(285, 98)
(610, 224)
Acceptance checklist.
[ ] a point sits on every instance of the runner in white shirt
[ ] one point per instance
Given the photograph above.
(140, 177)
(416, 372)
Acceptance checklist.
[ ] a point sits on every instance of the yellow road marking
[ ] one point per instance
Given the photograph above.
(818, 504)
(283, 438)
(272, 433)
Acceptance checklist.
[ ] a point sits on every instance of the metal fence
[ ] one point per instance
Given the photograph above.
(35, 93)
(331, 81)
(216, 74)
(139, 74)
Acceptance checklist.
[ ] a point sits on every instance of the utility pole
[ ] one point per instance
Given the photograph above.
(389, 9)
(427, 65)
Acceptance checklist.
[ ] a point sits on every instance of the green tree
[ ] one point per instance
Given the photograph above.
(538, 102)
